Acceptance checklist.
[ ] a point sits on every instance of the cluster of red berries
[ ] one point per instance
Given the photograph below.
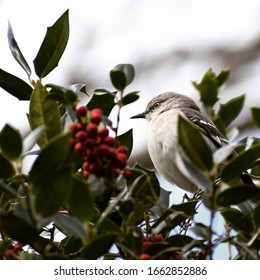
(92, 142)
(13, 252)
(150, 240)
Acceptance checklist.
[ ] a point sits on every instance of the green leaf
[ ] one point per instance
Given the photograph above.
(44, 112)
(240, 163)
(256, 215)
(194, 145)
(80, 201)
(130, 98)
(70, 225)
(237, 220)
(105, 102)
(236, 194)
(51, 176)
(7, 169)
(208, 88)
(255, 112)
(118, 79)
(230, 110)
(53, 46)
(98, 246)
(127, 140)
(32, 138)
(222, 77)
(11, 142)
(128, 70)
(17, 229)
(16, 52)
(15, 86)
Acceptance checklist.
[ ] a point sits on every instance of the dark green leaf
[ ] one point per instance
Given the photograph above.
(128, 70)
(178, 240)
(15, 86)
(127, 140)
(256, 215)
(70, 244)
(98, 246)
(105, 102)
(11, 142)
(44, 112)
(230, 110)
(17, 229)
(208, 88)
(194, 145)
(222, 77)
(236, 194)
(255, 112)
(51, 176)
(70, 225)
(53, 46)
(7, 169)
(16, 52)
(130, 98)
(240, 163)
(237, 220)
(118, 79)
(80, 202)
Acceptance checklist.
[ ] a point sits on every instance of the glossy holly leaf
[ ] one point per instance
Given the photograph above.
(127, 140)
(11, 142)
(208, 88)
(222, 77)
(174, 216)
(18, 229)
(51, 176)
(53, 46)
(98, 246)
(15, 86)
(7, 169)
(237, 220)
(240, 163)
(16, 52)
(255, 112)
(130, 98)
(236, 194)
(44, 112)
(229, 111)
(194, 144)
(70, 225)
(128, 70)
(80, 202)
(105, 102)
(122, 75)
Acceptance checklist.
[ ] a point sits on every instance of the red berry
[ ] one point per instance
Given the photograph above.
(18, 247)
(82, 111)
(128, 174)
(110, 141)
(103, 132)
(112, 154)
(79, 149)
(86, 174)
(147, 238)
(74, 128)
(158, 238)
(89, 143)
(103, 150)
(73, 142)
(121, 160)
(81, 135)
(116, 172)
(92, 129)
(145, 257)
(96, 116)
(147, 243)
(122, 149)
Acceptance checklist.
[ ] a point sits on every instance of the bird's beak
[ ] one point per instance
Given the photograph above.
(139, 116)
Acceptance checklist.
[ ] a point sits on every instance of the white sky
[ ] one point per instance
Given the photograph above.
(118, 31)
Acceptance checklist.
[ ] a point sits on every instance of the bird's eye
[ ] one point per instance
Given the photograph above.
(155, 106)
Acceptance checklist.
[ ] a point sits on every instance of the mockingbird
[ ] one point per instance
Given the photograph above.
(163, 112)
